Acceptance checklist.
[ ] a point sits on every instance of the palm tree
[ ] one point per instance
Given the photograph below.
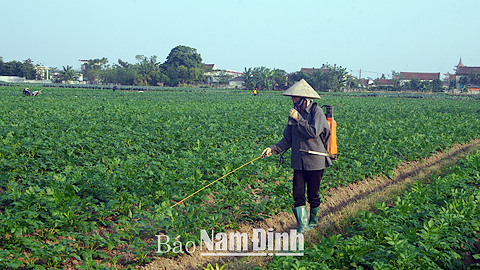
(68, 73)
(248, 80)
(341, 76)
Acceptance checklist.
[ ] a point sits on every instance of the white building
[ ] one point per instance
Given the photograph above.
(228, 78)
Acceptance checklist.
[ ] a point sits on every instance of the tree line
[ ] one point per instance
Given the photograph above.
(184, 66)
(24, 69)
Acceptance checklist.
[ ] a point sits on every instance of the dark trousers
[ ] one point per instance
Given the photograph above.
(312, 180)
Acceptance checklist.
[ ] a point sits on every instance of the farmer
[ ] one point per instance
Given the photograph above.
(307, 129)
(26, 91)
(36, 93)
(115, 88)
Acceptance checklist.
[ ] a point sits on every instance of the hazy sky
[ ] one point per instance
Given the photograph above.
(375, 36)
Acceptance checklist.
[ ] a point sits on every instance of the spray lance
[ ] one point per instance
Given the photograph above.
(215, 181)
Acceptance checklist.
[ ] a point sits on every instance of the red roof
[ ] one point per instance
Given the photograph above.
(467, 70)
(208, 67)
(419, 75)
(310, 70)
(383, 82)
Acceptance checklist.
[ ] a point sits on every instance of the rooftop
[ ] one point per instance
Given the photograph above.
(463, 70)
(420, 75)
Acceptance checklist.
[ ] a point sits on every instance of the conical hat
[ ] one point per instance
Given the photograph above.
(301, 89)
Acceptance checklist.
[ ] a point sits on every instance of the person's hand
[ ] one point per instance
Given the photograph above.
(293, 114)
(267, 152)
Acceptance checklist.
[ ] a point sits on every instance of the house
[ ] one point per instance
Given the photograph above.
(43, 72)
(215, 75)
(83, 65)
(209, 67)
(465, 72)
(210, 72)
(462, 74)
(407, 76)
(447, 78)
(235, 79)
(43, 75)
(366, 82)
(236, 82)
(383, 82)
(379, 84)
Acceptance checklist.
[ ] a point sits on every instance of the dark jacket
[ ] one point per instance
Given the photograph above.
(310, 132)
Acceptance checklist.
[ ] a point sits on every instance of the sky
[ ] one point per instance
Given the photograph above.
(375, 37)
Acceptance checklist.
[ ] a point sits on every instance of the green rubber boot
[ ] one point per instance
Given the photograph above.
(313, 217)
(301, 215)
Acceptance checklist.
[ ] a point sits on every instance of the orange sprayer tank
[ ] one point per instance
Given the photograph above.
(332, 142)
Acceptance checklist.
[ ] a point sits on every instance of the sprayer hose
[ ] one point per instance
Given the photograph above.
(215, 181)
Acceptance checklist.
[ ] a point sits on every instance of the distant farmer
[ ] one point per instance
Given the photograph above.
(255, 92)
(26, 91)
(115, 88)
(36, 93)
(307, 129)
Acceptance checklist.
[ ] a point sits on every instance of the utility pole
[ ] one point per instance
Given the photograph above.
(360, 75)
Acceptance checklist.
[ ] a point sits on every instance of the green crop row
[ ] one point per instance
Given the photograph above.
(84, 172)
(431, 227)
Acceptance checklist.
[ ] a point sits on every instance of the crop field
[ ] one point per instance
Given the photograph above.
(88, 177)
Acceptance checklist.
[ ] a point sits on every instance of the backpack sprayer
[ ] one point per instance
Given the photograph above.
(332, 141)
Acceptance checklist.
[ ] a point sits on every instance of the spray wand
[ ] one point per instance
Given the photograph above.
(216, 181)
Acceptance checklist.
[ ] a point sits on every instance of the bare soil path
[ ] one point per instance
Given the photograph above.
(341, 204)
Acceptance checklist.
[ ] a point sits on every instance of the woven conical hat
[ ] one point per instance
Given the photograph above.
(301, 89)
